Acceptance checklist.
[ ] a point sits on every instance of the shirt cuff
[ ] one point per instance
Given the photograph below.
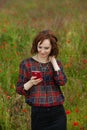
(26, 91)
(57, 72)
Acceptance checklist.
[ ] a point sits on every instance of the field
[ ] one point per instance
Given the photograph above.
(20, 20)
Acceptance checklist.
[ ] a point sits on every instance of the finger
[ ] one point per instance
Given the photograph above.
(35, 82)
(40, 79)
(33, 77)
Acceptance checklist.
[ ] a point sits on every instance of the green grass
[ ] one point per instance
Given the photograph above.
(19, 23)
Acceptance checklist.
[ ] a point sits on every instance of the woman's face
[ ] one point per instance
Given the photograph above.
(44, 49)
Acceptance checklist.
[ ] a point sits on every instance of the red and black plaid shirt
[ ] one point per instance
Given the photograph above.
(48, 92)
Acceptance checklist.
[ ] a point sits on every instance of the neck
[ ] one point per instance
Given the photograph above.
(41, 59)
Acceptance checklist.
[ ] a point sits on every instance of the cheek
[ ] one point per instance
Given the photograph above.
(38, 49)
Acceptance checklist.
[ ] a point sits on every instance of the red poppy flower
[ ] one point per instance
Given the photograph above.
(76, 110)
(68, 41)
(68, 112)
(75, 123)
(9, 97)
(81, 128)
(24, 110)
(86, 117)
(84, 61)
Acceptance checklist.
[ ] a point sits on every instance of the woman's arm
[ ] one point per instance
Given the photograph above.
(25, 81)
(23, 78)
(59, 75)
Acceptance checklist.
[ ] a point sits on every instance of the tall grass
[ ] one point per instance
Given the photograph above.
(20, 21)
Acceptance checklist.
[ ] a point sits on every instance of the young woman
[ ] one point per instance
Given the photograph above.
(43, 90)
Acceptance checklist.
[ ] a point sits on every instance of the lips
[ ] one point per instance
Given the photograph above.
(43, 54)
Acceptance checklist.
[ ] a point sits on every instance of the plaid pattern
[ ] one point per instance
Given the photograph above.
(48, 92)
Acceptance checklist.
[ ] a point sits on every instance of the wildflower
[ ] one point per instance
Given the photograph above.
(82, 37)
(76, 110)
(0, 70)
(81, 128)
(12, 86)
(86, 117)
(15, 46)
(4, 42)
(84, 61)
(25, 21)
(18, 23)
(71, 99)
(4, 30)
(68, 65)
(14, 14)
(24, 110)
(78, 94)
(6, 92)
(17, 53)
(9, 97)
(75, 123)
(68, 41)
(68, 112)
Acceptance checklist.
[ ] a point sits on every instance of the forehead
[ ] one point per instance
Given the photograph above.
(45, 42)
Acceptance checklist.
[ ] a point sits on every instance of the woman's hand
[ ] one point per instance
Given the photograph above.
(52, 59)
(35, 81)
(32, 82)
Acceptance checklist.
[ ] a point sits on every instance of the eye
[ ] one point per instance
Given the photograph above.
(46, 48)
(39, 47)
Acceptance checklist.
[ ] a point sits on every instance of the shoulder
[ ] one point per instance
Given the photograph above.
(59, 63)
(26, 62)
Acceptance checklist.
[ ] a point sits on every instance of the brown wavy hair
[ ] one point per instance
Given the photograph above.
(45, 34)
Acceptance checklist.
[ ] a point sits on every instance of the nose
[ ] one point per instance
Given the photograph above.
(42, 51)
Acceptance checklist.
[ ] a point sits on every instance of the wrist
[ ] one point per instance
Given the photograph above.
(55, 65)
(31, 83)
(28, 85)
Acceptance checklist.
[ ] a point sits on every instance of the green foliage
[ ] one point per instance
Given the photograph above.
(19, 23)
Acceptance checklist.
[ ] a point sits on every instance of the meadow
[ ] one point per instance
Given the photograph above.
(20, 20)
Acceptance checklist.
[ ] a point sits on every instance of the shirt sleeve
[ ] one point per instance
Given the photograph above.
(59, 76)
(23, 77)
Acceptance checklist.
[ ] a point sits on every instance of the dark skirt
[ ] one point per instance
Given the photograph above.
(50, 118)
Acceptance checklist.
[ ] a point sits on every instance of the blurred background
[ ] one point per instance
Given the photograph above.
(20, 20)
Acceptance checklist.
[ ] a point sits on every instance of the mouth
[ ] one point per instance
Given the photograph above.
(43, 54)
